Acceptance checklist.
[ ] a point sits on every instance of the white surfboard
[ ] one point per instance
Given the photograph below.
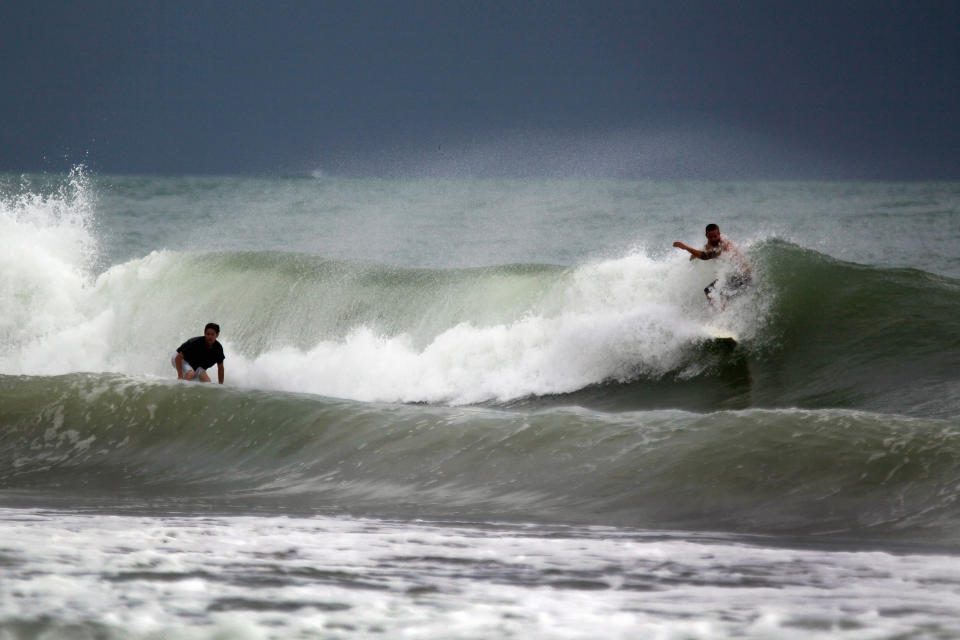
(720, 334)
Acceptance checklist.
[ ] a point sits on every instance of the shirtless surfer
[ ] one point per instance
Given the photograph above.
(717, 245)
(196, 355)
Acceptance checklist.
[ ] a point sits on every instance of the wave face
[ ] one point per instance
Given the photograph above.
(826, 472)
(815, 332)
(846, 335)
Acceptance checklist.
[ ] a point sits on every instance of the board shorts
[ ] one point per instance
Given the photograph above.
(733, 286)
(185, 367)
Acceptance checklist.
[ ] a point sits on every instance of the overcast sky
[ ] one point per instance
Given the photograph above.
(792, 89)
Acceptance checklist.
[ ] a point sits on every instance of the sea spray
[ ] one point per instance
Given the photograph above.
(49, 251)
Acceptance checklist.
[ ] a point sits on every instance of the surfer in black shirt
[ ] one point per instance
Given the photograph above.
(196, 355)
(717, 245)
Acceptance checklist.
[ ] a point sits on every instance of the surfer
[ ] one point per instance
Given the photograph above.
(717, 245)
(196, 355)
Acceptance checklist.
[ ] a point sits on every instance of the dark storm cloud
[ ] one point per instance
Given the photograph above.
(680, 89)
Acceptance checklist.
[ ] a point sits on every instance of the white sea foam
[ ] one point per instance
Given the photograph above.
(613, 318)
(261, 577)
(608, 320)
(48, 248)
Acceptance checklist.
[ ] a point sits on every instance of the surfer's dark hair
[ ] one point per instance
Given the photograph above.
(712, 227)
(214, 326)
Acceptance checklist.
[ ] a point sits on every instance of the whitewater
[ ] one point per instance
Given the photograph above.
(346, 328)
(477, 408)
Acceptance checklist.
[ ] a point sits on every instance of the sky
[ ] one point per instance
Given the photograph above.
(673, 89)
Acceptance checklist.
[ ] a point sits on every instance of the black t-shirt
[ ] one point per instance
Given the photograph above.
(198, 356)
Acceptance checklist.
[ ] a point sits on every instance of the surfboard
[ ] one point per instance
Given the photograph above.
(720, 335)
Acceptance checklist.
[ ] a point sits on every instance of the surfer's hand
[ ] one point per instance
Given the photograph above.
(679, 245)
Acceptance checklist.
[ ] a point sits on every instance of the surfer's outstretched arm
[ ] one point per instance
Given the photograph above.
(694, 253)
(220, 372)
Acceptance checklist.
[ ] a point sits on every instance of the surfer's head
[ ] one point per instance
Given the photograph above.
(210, 332)
(713, 234)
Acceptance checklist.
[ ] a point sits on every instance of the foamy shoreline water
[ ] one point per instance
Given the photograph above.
(281, 577)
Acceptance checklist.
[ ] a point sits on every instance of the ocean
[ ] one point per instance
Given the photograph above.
(478, 409)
